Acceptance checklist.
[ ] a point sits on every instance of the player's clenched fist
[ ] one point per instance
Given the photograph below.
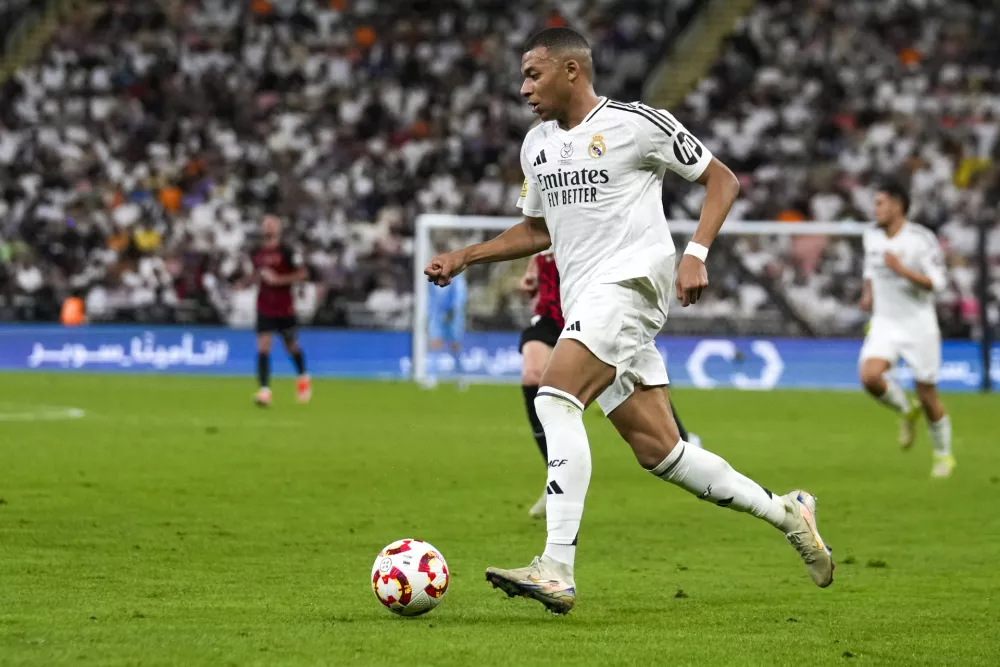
(443, 268)
(692, 278)
(528, 284)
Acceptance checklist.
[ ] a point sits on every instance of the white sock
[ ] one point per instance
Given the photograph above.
(941, 435)
(561, 415)
(894, 397)
(709, 477)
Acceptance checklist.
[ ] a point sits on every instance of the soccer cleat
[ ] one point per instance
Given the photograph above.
(263, 397)
(943, 466)
(545, 580)
(907, 425)
(806, 540)
(303, 388)
(537, 510)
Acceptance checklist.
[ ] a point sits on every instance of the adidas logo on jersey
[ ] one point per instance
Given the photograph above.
(575, 326)
(540, 159)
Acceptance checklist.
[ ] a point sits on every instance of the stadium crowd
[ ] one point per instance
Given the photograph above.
(138, 155)
(11, 14)
(814, 103)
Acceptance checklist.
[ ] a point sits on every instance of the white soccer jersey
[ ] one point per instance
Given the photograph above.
(899, 305)
(599, 188)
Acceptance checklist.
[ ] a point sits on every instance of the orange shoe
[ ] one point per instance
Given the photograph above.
(263, 397)
(303, 388)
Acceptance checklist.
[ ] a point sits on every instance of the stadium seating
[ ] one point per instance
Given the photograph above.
(137, 156)
(812, 104)
(11, 13)
(179, 130)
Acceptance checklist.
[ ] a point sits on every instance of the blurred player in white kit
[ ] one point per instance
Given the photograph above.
(903, 268)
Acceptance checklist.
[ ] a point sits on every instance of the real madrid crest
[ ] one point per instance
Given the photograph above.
(597, 147)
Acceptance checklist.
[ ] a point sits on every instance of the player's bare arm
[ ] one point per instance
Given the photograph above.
(529, 281)
(526, 238)
(721, 190)
(272, 278)
(866, 296)
(922, 281)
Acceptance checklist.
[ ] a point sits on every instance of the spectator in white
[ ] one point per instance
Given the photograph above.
(28, 277)
(390, 308)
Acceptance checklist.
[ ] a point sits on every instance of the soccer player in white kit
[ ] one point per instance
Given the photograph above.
(594, 170)
(903, 267)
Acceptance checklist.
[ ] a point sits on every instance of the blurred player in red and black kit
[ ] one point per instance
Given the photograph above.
(541, 281)
(277, 268)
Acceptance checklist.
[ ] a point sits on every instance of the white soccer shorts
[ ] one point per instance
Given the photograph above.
(922, 352)
(619, 322)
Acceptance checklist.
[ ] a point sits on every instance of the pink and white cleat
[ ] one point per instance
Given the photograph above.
(804, 536)
(545, 580)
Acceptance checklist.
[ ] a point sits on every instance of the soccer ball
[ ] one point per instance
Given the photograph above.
(410, 577)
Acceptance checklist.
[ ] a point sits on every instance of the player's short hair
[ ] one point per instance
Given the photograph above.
(897, 191)
(557, 39)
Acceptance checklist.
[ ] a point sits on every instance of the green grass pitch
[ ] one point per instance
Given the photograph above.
(177, 524)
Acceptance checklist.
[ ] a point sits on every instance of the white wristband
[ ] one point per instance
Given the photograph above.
(696, 249)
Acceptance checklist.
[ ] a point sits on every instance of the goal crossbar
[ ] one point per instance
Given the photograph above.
(426, 223)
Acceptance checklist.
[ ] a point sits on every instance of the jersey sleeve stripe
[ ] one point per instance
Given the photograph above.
(650, 117)
(656, 113)
(660, 114)
(596, 109)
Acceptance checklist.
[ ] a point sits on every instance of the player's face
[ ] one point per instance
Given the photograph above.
(270, 230)
(887, 209)
(546, 86)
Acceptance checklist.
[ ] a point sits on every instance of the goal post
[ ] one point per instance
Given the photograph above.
(501, 362)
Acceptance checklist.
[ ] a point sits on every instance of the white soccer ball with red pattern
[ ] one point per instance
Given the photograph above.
(410, 577)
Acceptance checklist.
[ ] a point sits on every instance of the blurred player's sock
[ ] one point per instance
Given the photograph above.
(438, 364)
(300, 362)
(263, 369)
(529, 392)
(941, 435)
(710, 478)
(894, 397)
(561, 415)
(908, 425)
(303, 386)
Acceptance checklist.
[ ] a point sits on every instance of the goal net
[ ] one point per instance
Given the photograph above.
(767, 280)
